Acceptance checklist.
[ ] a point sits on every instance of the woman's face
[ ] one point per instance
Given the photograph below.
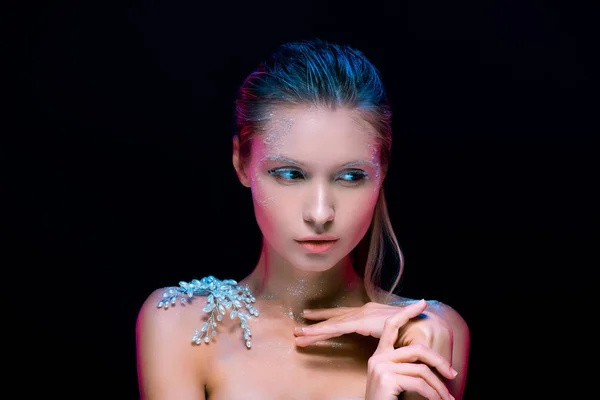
(314, 174)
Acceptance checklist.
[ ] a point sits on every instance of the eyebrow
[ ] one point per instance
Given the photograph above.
(360, 162)
(283, 159)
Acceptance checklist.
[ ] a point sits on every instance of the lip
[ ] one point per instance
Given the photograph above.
(317, 246)
(317, 238)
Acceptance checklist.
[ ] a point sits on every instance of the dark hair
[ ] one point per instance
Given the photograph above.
(322, 74)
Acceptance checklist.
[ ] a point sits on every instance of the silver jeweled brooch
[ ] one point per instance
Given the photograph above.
(223, 297)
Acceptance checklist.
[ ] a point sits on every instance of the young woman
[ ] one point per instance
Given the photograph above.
(311, 321)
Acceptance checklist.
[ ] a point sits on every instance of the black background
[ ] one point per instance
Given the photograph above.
(119, 177)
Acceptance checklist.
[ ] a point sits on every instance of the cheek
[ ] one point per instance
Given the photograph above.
(261, 196)
(272, 205)
(359, 213)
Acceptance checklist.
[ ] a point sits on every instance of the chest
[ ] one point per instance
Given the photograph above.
(275, 368)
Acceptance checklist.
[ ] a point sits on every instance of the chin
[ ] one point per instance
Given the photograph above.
(314, 262)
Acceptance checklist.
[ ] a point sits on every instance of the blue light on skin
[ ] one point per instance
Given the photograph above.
(284, 159)
(294, 174)
(353, 176)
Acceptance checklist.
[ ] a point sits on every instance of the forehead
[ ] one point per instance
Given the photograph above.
(317, 136)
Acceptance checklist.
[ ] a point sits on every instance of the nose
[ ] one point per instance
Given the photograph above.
(319, 208)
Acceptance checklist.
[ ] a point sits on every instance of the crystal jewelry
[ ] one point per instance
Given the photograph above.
(222, 296)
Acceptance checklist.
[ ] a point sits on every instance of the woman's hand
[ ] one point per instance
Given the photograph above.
(422, 327)
(392, 371)
(428, 329)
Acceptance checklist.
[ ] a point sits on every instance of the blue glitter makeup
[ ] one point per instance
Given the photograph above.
(287, 173)
(353, 176)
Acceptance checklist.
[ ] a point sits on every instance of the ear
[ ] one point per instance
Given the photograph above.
(238, 164)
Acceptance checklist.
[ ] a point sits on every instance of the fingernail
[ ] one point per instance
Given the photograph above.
(306, 311)
(298, 330)
(454, 372)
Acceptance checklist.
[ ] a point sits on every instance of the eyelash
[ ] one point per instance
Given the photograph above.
(289, 175)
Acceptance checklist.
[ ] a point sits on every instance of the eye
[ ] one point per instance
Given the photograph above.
(287, 174)
(352, 177)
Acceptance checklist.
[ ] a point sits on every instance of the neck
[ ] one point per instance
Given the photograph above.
(276, 282)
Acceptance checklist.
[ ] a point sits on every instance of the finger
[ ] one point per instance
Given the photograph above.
(393, 323)
(304, 341)
(419, 353)
(423, 372)
(418, 385)
(439, 347)
(328, 327)
(325, 313)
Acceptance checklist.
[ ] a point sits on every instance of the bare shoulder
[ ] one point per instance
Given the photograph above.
(169, 364)
(460, 338)
(443, 310)
(158, 316)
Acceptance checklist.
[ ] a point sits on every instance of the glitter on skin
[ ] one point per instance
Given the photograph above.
(300, 290)
(277, 157)
(274, 136)
(272, 139)
(324, 140)
(374, 161)
(365, 126)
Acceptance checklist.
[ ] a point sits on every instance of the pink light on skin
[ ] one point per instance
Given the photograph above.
(272, 138)
(312, 172)
(319, 145)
